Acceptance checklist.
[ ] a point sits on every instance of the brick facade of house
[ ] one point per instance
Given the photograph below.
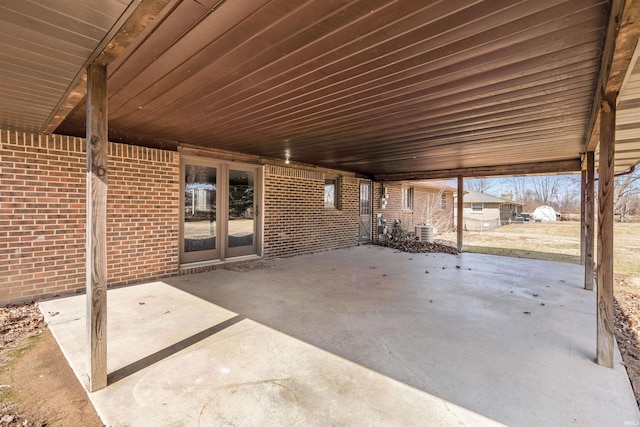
(142, 213)
(296, 220)
(426, 207)
(42, 215)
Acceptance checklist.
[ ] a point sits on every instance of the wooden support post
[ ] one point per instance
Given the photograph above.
(589, 221)
(583, 225)
(459, 207)
(96, 251)
(605, 234)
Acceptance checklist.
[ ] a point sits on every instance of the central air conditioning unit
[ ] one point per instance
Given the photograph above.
(424, 233)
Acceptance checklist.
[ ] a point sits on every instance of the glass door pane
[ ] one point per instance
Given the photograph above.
(241, 217)
(365, 223)
(200, 222)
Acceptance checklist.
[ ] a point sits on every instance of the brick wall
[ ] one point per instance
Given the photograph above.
(426, 208)
(295, 218)
(142, 213)
(42, 215)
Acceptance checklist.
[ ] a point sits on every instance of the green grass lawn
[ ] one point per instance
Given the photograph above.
(555, 241)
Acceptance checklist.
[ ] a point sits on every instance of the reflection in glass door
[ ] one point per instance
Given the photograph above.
(241, 225)
(219, 214)
(200, 225)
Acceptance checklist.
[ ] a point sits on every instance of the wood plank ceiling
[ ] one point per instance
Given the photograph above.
(44, 46)
(628, 119)
(377, 86)
(371, 86)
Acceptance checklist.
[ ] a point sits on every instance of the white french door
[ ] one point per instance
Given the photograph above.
(220, 210)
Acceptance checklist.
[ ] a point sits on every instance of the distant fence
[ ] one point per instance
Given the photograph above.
(569, 216)
(475, 224)
(576, 217)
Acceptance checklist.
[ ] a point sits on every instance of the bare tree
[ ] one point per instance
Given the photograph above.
(626, 192)
(518, 187)
(521, 190)
(432, 212)
(481, 185)
(545, 188)
(562, 192)
(567, 195)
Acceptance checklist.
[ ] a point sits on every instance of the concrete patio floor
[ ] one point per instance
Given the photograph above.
(362, 336)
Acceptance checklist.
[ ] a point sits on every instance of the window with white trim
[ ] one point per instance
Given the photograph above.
(477, 207)
(407, 198)
(332, 192)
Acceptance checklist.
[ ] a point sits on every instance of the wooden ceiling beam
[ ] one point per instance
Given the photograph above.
(619, 45)
(442, 163)
(560, 166)
(138, 15)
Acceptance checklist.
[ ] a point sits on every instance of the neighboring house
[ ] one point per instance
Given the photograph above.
(510, 210)
(482, 211)
(418, 203)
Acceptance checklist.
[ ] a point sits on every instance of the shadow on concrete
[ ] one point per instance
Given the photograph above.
(469, 339)
(166, 352)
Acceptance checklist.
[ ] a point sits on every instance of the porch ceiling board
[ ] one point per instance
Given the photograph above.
(370, 86)
(43, 47)
(628, 119)
(377, 86)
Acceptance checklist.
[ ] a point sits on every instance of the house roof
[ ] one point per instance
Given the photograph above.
(393, 90)
(477, 197)
(436, 186)
(432, 185)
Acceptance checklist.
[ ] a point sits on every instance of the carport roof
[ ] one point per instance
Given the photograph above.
(386, 88)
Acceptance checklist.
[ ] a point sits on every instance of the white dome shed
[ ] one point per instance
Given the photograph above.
(544, 213)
